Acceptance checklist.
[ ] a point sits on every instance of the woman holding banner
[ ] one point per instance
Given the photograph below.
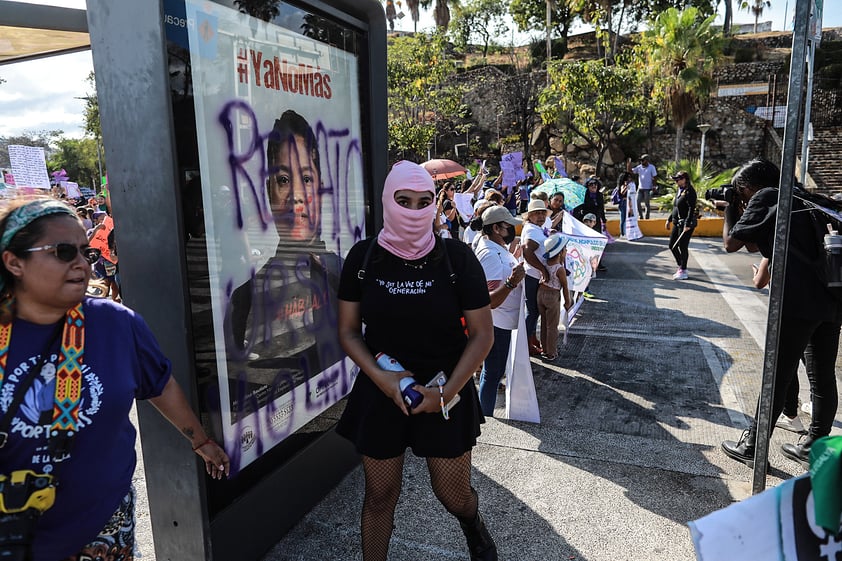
(425, 306)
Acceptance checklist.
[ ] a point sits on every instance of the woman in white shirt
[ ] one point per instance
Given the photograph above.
(532, 241)
(503, 274)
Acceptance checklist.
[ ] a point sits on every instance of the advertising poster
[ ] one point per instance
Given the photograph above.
(281, 171)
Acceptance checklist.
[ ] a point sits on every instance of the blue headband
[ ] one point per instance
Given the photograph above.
(25, 215)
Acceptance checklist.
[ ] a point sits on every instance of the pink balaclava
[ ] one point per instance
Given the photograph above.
(408, 233)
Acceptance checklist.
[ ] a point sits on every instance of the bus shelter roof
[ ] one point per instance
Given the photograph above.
(30, 31)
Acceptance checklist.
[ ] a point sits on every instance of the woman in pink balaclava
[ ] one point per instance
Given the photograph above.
(425, 305)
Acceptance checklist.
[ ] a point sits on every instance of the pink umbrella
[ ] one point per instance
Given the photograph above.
(443, 169)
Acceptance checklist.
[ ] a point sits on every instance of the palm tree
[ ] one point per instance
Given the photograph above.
(727, 20)
(414, 13)
(678, 53)
(756, 7)
(441, 12)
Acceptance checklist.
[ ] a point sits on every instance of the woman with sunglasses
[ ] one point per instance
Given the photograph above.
(70, 370)
(682, 221)
(424, 303)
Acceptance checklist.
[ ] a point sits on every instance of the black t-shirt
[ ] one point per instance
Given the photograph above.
(684, 208)
(805, 292)
(415, 314)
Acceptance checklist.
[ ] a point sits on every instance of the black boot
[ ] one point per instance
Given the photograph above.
(800, 452)
(480, 543)
(743, 449)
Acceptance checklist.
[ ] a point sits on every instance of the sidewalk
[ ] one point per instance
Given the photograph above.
(655, 374)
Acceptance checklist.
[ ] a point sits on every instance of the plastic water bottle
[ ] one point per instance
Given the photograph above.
(411, 396)
(833, 249)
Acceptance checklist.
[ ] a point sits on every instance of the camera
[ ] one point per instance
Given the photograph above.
(17, 532)
(725, 193)
(24, 495)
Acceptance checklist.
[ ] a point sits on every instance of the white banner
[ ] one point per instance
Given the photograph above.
(778, 524)
(281, 168)
(584, 251)
(521, 398)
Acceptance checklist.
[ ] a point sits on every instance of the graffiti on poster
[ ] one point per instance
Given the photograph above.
(281, 169)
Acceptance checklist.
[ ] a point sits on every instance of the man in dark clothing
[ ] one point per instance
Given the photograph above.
(810, 314)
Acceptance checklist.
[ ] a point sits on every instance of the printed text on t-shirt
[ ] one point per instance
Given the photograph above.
(406, 287)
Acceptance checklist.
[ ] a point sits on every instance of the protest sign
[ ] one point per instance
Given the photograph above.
(511, 165)
(71, 188)
(539, 167)
(29, 166)
(559, 167)
(464, 205)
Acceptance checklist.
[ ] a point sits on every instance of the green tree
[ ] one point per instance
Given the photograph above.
(756, 7)
(419, 98)
(594, 101)
(678, 54)
(42, 139)
(77, 156)
(91, 115)
(478, 21)
(530, 15)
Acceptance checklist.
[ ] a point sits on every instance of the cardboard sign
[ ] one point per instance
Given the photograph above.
(29, 166)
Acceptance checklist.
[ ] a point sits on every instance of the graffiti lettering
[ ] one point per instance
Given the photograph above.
(284, 311)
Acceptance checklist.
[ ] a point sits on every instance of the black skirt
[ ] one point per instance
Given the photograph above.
(380, 430)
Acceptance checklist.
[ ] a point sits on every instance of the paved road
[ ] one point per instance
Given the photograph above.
(655, 374)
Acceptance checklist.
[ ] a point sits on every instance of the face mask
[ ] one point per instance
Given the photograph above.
(407, 233)
(510, 235)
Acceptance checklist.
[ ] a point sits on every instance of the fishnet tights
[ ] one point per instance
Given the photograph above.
(451, 482)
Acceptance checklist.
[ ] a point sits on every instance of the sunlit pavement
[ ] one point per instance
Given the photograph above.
(655, 374)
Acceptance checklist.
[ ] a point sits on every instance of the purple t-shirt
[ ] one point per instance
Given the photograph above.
(122, 362)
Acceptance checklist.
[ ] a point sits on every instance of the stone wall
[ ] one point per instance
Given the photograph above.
(735, 136)
(745, 72)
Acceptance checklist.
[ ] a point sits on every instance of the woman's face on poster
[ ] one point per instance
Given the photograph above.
(294, 192)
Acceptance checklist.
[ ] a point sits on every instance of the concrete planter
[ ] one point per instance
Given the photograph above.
(654, 227)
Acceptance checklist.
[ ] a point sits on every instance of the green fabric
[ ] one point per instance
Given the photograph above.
(826, 478)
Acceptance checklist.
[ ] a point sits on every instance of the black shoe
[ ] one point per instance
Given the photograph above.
(799, 452)
(743, 449)
(601, 268)
(480, 543)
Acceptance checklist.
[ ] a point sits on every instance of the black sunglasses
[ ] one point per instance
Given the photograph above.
(67, 252)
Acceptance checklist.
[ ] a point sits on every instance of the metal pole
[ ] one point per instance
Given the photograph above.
(549, 38)
(99, 162)
(808, 104)
(704, 128)
(776, 289)
(549, 41)
(702, 155)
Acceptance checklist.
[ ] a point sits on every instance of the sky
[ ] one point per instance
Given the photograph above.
(41, 94)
